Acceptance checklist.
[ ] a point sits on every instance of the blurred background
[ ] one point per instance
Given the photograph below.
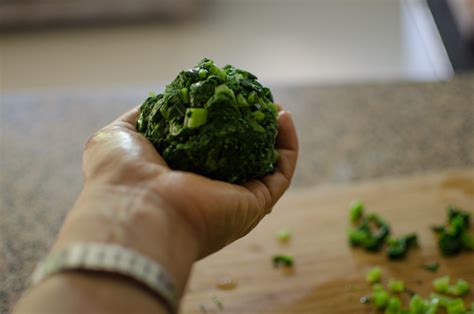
(64, 43)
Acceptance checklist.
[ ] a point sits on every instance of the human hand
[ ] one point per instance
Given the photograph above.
(214, 212)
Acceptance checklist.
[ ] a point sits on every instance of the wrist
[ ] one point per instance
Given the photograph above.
(134, 218)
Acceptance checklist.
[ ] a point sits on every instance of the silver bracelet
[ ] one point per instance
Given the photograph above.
(111, 258)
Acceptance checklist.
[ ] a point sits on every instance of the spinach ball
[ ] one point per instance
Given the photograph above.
(217, 122)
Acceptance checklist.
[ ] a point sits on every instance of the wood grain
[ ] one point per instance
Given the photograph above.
(329, 275)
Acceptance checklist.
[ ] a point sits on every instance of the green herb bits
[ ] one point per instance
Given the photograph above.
(217, 122)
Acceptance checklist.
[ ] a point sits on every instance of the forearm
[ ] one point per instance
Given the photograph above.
(130, 219)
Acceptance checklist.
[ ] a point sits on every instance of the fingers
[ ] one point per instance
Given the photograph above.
(287, 138)
(270, 188)
(278, 106)
(129, 117)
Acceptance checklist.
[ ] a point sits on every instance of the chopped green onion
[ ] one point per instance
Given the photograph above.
(417, 305)
(152, 94)
(283, 235)
(377, 287)
(258, 115)
(241, 101)
(282, 260)
(380, 299)
(195, 117)
(398, 248)
(256, 126)
(396, 285)
(456, 306)
(356, 210)
(273, 107)
(358, 237)
(374, 275)
(252, 97)
(432, 267)
(185, 95)
(202, 74)
(461, 288)
(441, 284)
(394, 306)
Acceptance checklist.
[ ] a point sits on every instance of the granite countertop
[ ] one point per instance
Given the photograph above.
(346, 133)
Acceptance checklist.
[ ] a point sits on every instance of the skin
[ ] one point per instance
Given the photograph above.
(132, 198)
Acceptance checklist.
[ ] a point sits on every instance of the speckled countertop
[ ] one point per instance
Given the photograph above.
(346, 133)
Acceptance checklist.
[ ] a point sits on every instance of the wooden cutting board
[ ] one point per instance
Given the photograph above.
(329, 275)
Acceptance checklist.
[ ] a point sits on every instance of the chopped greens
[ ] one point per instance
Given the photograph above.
(374, 275)
(455, 237)
(432, 267)
(356, 210)
(282, 260)
(460, 288)
(441, 284)
(380, 299)
(370, 231)
(394, 306)
(417, 305)
(398, 248)
(389, 301)
(217, 122)
(396, 285)
(283, 235)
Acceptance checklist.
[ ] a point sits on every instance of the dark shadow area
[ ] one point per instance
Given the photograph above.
(460, 51)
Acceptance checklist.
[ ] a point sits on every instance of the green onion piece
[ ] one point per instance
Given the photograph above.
(185, 95)
(380, 299)
(441, 284)
(374, 275)
(215, 70)
(258, 115)
(262, 103)
(396, 285)
(417, 305)
(255, 126)
(282, 260)
(202, 74)
(224, 89)
(461, 288)
(273, 107)
(251, 98)
(432, 267)
(152, 94)
(195, 117)
(283, 235)
(456, 306)
(467, 241)
(358, 237)
(377, 287)
(394, 306)
(356, 210)
(241, 101)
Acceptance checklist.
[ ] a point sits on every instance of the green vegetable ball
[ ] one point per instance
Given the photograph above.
(217, 122)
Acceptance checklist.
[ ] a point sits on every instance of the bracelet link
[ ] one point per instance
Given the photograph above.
(111, 258)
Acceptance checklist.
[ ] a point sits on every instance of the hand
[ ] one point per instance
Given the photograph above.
(216, 212)
(132, 198)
